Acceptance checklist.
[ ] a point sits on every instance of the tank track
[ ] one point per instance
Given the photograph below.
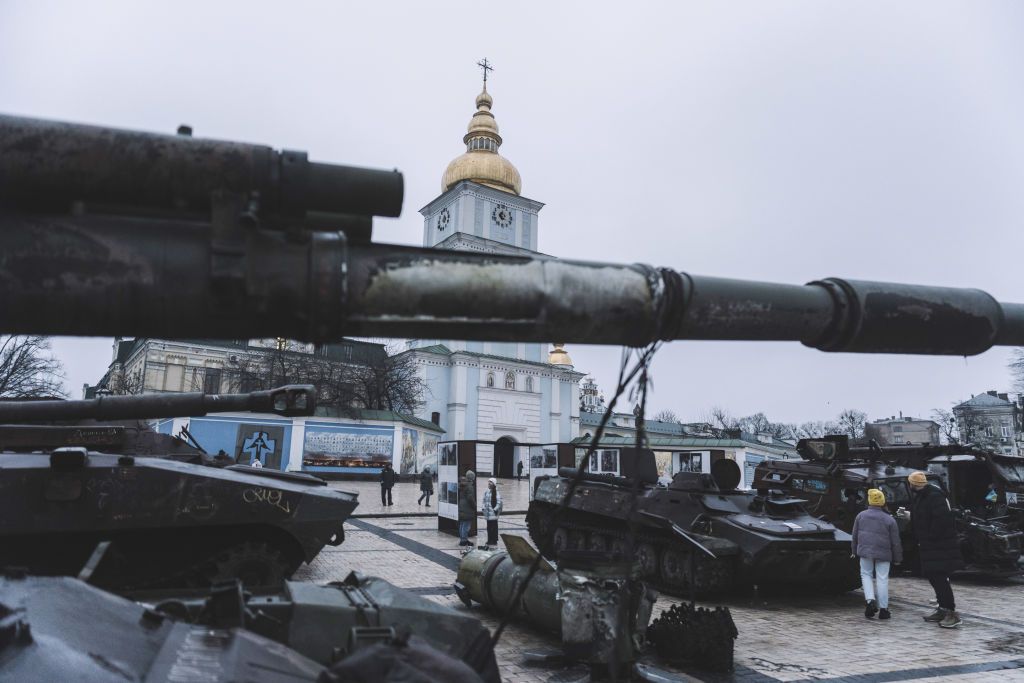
(664, 562)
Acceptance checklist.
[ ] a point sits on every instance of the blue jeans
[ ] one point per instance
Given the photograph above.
(879, 569)
(464, 530)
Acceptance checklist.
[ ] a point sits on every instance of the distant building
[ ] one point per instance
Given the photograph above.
(894, 431)
(357, 442)
(591, 398)
(989, 420)
(678, 447)
(505, 396)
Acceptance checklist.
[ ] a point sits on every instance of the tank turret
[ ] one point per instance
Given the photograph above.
(116, 424)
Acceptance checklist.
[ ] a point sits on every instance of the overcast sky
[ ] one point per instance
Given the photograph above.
(778, 141)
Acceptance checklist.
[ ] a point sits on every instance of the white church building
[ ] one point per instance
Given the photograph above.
(504, 396)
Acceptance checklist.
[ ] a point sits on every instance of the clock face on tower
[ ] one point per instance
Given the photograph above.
(443, 219)
(502, 216)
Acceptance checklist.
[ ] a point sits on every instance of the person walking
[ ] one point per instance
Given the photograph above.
(426, 486)
(467, 506)
(876, 541)
(934, 527)
(519, 471)
(387, 482)
(492, 508)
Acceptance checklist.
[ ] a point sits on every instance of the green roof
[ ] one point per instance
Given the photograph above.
(676, 442)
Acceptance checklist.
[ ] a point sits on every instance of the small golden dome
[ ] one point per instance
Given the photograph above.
(558, 355)
(481, 163)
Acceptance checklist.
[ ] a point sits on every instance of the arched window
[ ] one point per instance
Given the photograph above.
(529, 383)
(490, 380)
(510, 380)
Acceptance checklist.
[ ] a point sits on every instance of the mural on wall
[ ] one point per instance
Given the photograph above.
(346, 447)
(543, 458)
(427, 456)
(663, 461)
(259, 442)
(410, 440)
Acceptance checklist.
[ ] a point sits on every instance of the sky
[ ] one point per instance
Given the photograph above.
(785, 142)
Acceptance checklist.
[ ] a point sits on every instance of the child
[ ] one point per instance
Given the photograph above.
(876, 541)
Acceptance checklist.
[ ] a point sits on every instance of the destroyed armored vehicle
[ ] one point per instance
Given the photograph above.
(834, 479)
(60, 628)
(330, 622)
(699, 534)
(168, 523)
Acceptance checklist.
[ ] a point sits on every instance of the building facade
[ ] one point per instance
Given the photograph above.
(506, 396)
(894, 431)
(989, 420)
(355, 442)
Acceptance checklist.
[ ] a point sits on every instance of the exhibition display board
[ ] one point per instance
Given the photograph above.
(454, 459)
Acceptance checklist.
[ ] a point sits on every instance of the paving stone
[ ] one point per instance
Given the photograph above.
(781, 639)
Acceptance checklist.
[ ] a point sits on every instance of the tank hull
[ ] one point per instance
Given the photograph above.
(749, 548)
(168, 523)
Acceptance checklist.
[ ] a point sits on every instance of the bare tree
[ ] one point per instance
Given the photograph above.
(28, 369)
(122, 382)
(851, 422)
(721, 418)
(815, 429)
(667, 416)
(380, 381)
(1016, 367)
(948, 429)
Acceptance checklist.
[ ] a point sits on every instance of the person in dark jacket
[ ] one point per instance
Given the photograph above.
(876, 541)
(931, 519)
(519, 471)
(426, 486)
(387, 482)
(467, 506)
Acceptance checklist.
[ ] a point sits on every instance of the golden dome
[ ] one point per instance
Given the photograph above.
(558, 355)
(481, 163)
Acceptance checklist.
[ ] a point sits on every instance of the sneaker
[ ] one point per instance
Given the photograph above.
(871, 609)
(938, 615)
(884, 614)
(951, 620)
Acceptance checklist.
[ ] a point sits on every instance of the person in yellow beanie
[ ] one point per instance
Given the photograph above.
(934, 527)
(876, 541)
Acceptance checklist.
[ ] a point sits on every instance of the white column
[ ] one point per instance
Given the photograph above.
(296, 444)
(556, 409)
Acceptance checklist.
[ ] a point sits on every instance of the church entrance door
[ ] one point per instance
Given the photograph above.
(504, 457)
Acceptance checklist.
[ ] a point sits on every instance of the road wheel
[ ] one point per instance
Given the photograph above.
(647, 558)
(598, 542)
(255, 564)
(675, 567)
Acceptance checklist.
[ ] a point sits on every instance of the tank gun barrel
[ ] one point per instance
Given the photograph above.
(51, 165)
(289, 400)
(184, 252)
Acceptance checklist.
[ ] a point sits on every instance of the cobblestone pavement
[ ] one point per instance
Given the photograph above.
(514, 494)
(792, 639)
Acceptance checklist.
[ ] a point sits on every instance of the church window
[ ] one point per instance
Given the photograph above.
(510, 380)
(529, 384)
(490, 379)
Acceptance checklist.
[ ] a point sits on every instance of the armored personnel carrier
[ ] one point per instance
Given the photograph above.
(166, 523)
(699, 534)
(834, 478)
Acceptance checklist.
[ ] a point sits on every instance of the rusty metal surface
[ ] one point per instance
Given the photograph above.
(112, 232)
(52, 164)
